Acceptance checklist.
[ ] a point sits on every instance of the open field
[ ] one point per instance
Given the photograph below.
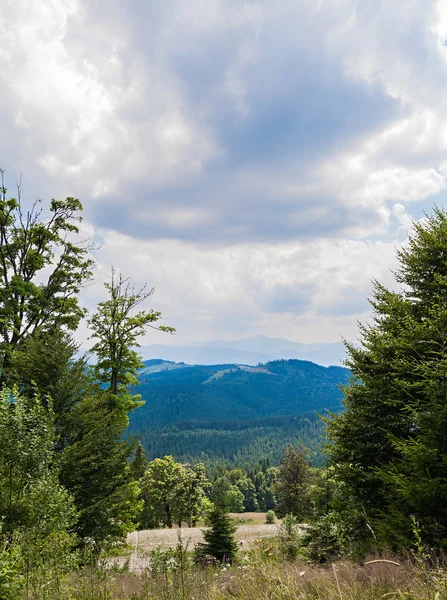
(149, 539)
(252, 527)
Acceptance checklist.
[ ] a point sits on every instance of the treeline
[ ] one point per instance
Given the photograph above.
(237, 442)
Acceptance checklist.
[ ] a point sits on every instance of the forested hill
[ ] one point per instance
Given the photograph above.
(233, 412)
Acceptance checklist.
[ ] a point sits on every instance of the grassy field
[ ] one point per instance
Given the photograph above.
(250, 527)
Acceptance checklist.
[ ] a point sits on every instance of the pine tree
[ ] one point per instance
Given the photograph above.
(219, 538)
(389, 445)
(139, 463)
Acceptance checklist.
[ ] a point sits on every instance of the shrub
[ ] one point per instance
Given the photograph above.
(270, 517)
(289, 537)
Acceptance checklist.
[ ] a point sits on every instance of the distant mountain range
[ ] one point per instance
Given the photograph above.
(249, 351)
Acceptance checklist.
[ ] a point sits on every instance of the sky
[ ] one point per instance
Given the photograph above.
(258, 163)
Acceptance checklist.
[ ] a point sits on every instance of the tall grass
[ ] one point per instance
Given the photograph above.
(262, 577)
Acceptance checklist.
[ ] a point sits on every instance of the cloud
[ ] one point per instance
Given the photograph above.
(259, 161)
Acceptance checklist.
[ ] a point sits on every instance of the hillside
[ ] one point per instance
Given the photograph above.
(235, 413)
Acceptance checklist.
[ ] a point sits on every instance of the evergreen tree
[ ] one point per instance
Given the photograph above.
(139, 463)
(219, 538)
(389, 445)
(49, 361)
(292, 484)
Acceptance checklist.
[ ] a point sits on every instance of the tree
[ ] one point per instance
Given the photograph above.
(117, 327)
(292, 484)
(389, 445)
(139, 463)
(96, 465)
(191, 493)
(96, 471)
(41, 271)
(160, 490)
(227, 496)
(30, 493)
(219, 538)
(49, 361)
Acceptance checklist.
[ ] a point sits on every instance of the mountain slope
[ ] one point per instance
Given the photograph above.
(228, 391)
(234, 413)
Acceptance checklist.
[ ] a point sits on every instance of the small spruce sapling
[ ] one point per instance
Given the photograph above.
(219, 538)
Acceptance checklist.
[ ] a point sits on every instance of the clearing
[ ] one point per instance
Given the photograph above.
(250, 527)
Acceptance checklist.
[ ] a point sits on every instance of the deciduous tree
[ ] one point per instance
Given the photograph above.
(42, 269)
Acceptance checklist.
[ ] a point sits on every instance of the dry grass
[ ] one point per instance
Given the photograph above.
(251, 527)
(262, 580)
(143, 542)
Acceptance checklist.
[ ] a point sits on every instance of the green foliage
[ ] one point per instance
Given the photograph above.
(96, 461)
(289, 537)
(270, 517)
(139, 463)
(96, 470)
(11, 563)
(41, 271)
(219, 538)
(292, 485)
(191, 494)
(48, 361)
(225, 392)
(30, 494)
(236, 443)
(389, 446)
(172, 492)
(160, 492)
(117, 327)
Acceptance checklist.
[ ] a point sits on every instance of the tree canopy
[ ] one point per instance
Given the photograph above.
(390, 444)
(42, 269)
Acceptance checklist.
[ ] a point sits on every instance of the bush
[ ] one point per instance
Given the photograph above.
(270, 517)
(336, 535)
(11, 561)
(289, 537)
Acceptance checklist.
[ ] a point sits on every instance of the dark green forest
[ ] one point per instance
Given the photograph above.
(238, 442)
(220, 392)
(235, 415)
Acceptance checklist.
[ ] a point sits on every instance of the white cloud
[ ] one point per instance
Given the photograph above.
(257, 158)
(247, 287)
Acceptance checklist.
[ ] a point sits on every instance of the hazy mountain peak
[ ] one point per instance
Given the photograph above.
(250, 351)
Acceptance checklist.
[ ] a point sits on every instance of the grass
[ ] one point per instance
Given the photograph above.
(261, 579)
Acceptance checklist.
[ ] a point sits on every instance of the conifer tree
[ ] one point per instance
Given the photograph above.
(219, 538)
(389, 445)
(292, 484)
